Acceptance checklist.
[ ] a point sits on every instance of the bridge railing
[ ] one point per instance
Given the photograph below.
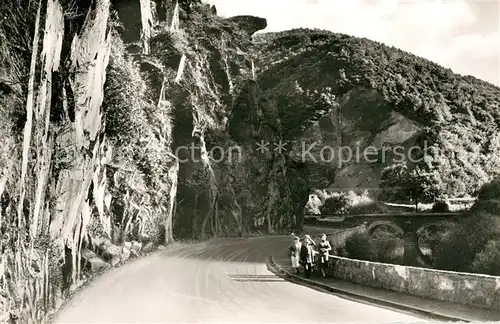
(339, 238)
(401, 214)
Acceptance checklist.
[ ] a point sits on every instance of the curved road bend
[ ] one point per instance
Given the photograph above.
(224, 280)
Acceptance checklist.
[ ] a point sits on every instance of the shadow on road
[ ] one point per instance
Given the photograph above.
(251, 250)
(250, 276)
(260, 280)
(242, 250)
(255, 278)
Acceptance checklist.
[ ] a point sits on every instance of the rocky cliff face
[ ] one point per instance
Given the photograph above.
(101, 139)
(128, 123)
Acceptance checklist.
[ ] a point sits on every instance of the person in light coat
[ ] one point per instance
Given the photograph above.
(295, 253)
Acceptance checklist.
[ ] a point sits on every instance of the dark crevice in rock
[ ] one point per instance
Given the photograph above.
(129, 13)
(161, 10)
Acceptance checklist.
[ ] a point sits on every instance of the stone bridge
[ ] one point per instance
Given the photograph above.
(410, 226)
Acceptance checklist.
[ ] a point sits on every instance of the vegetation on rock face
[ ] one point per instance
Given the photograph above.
(100, 177)
(218, 64)
(140, 133)
(48, 167)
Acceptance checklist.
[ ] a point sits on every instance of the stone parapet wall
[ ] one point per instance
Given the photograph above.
(462, 288)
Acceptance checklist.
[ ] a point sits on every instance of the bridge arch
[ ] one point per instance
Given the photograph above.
(426, 235)
(411, 232)
(384, 223)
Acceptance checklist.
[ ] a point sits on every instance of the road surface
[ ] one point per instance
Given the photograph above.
(224, 280)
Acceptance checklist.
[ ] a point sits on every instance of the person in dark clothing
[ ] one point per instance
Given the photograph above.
(324, 251)
(307, 255)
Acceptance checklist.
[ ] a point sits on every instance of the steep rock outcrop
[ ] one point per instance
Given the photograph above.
(214, 59)
(250, 24)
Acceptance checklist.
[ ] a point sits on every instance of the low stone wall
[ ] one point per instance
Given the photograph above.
(462, 288)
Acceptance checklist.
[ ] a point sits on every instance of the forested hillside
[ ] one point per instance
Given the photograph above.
(392, 97)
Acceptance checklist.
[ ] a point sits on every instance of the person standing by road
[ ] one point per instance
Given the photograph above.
(295, 253)
(307, 255)
(324, 251)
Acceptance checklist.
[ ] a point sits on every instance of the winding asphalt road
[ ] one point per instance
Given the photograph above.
(224, 280)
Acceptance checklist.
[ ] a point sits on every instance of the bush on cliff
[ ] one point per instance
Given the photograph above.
(370, 208)
(339, 202)
(488, 260)
(335, 204)
(381, 247)
(458, 248)
(359, 246)
(490, 191)
(399, 184)
(469, 245)
(440, 207)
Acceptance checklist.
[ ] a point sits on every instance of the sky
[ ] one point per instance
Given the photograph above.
(457, 34)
